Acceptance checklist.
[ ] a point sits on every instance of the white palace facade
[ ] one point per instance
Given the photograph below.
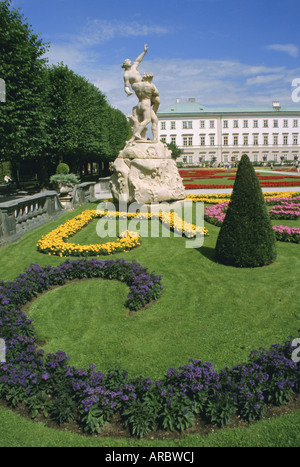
(220, 135)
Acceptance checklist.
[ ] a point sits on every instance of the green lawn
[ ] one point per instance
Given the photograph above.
(208, 311)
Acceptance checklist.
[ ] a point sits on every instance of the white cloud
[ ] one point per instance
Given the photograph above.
(211, 82)
(260, 79)
(290, 49)
(97, 32)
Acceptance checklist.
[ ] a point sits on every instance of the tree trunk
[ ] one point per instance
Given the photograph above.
(42, 173)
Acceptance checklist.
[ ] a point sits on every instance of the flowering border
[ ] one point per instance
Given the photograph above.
(215, 215)
(47, 384)
(269, 180)
(55, 242)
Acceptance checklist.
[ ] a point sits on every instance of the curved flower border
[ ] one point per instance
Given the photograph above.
(56, 241)
(47, 384)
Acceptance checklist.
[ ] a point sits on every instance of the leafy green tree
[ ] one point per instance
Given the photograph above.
(176, 151)
(24, 116)
(246, 237)
(119, 132)
(83, 128)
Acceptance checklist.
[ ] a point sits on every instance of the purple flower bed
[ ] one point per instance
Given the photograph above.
(48, 384)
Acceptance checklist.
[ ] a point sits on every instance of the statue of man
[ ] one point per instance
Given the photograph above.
(131, 73)
(145, 112)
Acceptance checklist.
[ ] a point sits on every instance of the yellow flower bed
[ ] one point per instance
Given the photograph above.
(180, 226)
(56, 241)
(224, 197)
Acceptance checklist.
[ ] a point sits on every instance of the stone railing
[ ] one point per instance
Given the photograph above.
(102, 188)
(20, 216)
(83, 193)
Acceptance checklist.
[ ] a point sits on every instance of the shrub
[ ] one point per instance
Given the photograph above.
(246, 237)
(65, 179)
(62, 169)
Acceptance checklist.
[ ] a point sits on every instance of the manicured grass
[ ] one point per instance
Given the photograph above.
(208, 311)
(283, 431)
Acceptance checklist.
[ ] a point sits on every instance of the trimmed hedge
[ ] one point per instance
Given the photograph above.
(246, 237)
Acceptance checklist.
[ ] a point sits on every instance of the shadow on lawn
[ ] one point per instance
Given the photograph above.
(208, 252)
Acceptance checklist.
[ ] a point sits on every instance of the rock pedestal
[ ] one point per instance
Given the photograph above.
(145, 172)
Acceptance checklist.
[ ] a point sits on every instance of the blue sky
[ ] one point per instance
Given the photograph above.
(221, 52)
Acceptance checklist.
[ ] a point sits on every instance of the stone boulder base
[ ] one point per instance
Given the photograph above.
(145, 172)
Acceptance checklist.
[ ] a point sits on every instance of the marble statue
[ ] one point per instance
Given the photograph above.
(144, 170)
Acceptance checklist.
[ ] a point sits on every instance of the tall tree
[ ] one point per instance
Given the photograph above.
(24, 115)
(78, 126)
(119, 132)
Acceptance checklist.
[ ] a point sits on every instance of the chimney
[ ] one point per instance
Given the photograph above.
(177, 101)
(276, 105)
(192, 99)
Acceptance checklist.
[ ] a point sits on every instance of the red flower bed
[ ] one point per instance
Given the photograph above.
(265, 180)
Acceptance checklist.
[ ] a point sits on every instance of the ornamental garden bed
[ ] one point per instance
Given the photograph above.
(285, 209)
(193, 318)
(200, 179)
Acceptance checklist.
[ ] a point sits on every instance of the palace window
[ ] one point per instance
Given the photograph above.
(202, 140)
(245, 123)
(187, 125)
(173, 125)
(255, 123)
(275, 140)
(285, 123)
(266, 123)
(225, 140)
(212, 140)
(246, 139)
(202, 123)
(266, 140)
(285, 139)
(225, 124)
(295, 139)
(255, 140)
(235, 123)
(187, 141)
(162, 125)
(211, 124)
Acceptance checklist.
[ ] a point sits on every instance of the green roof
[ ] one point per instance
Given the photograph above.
(182, 108)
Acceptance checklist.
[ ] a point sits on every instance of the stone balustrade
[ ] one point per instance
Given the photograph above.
(22, 215)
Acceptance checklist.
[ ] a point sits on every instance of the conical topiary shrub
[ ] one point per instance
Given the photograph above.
(246, 237)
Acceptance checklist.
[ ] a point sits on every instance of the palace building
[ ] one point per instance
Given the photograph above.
(223, 134)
